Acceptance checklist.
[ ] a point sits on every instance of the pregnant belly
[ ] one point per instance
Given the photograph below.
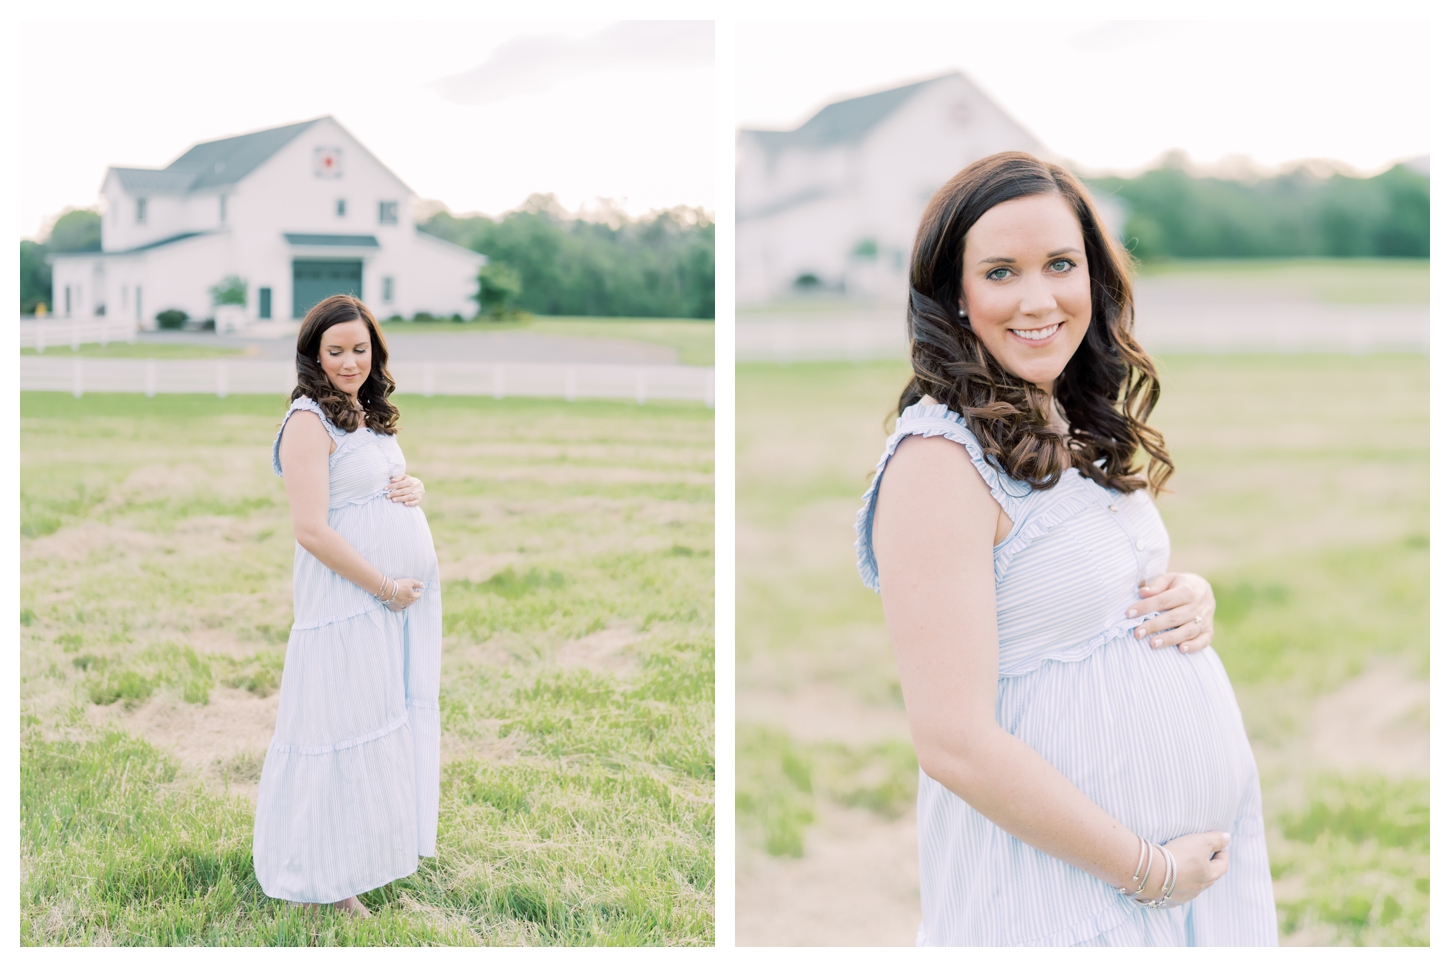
(1154, 737)
(392, 537)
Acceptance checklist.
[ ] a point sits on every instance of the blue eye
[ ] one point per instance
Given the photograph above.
(998, 274)
(1062, 265)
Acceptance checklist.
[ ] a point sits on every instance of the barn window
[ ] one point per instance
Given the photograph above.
(222, 205)
(342, 208)
(387, 213)
(140, 211)
(264, 302)
(387, 288)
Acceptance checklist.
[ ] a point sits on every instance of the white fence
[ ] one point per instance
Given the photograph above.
(41, 334)
(80, 375)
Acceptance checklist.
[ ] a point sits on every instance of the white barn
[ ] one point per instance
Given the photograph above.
(835, 203)
(298, 212)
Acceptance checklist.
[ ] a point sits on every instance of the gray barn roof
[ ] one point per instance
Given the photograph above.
(169, 240)
(843, 122)
(228, 160)
(211, 164)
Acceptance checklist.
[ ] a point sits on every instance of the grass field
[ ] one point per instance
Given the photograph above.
(1306, 506)
(1335, 281)
(575, 543)
(694, 339)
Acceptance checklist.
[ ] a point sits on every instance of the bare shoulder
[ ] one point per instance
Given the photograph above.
(304, 435)
(932, 506)
(934, 467)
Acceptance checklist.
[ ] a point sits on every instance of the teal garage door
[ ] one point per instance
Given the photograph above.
(315, 279)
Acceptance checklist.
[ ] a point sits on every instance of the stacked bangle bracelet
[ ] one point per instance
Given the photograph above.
(379, 592)
(1140, 875)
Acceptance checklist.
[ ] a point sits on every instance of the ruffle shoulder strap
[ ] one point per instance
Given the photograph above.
(929, 420)
(302, 403)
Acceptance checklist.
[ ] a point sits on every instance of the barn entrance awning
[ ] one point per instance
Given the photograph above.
(331, 241)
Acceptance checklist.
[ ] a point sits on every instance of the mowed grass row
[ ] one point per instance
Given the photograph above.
(576, 548)
(1309, 511)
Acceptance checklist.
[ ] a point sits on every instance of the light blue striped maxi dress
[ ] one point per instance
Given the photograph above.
(1155, 737)
(349, 792)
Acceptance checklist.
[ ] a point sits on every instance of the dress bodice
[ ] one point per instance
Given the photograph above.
(1069, 568)
(361, 466)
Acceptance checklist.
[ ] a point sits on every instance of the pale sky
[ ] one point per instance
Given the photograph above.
(1117, 94)
(476, 115)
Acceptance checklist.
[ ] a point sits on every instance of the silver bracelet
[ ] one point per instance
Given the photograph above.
(1146, 873)
(1170, 880)
(381, 584)
(394, 596)
(1172, 877)
(1143, 849)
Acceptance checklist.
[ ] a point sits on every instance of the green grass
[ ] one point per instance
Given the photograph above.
(1306, 507)
(1341, 281)
(577, 700)
(694, 339)
(779, 778)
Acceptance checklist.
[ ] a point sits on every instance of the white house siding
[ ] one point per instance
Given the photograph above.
(805, 208)
(282, 195)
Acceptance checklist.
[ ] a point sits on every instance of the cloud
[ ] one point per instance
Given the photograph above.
(527, 65)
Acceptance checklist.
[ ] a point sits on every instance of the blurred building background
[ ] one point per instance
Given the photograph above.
(833, 205)
(284, 217)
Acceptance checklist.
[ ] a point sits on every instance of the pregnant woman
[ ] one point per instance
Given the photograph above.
(349, 792)
(1085, 775)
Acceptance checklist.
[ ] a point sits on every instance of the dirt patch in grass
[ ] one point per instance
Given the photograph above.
(605, 651)
(1378, 722)
(224, 741)
(856, 886)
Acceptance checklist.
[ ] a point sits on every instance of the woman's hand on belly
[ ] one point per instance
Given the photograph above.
(1201, 857)
(409, 591)
(1185, 606)
(405, 490)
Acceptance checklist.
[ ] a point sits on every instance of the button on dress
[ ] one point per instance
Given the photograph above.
(1153, 736)
(349, 792)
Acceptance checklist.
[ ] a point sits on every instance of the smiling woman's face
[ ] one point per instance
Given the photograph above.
(346, 355)
(1025, 286)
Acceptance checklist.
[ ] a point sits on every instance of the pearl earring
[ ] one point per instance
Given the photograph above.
(961, 313)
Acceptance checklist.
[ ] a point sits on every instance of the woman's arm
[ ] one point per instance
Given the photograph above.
(934, 527)
(303, 454)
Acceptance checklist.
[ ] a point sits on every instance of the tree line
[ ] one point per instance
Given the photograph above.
(78, 230)
(545, 261)
(1172, 213)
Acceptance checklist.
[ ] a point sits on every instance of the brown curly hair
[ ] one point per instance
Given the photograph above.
(378, 414)
(1108, 388)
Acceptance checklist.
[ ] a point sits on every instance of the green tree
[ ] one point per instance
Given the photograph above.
(76, 230)
(498, 287)
(34, 276)
(230, 291)
(1173, 214)
(660, 265)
